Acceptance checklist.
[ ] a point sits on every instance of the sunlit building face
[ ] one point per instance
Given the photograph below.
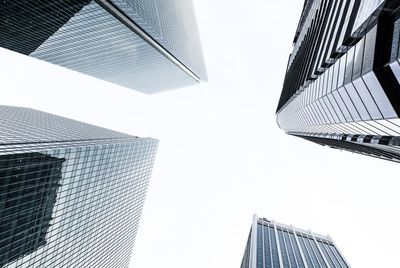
(149, 46)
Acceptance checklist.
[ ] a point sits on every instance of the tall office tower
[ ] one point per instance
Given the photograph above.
(71, 194)
(342, 84)
(149, 46)
(275, 245)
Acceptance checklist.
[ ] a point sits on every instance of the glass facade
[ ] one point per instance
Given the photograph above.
(71, 199)
(144, 45)
(171, 23)
(342, 77)
(280, 246)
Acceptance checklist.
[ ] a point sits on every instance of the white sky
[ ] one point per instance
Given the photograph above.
(221, 155)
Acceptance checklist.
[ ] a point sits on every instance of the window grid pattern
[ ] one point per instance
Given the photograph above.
(367, 9)
(343, 77)
(384, 147)
(24, 125)
(284, 252)
(267, 248)
(268, 261)
(246, 256)
(322, 38)
(18, 26)
(95, 43)
(171, 23)
(98, 194)
(329, 101)
(281, 246)
(309, 250)
(28, 191)
(327, 30)
(84, 37)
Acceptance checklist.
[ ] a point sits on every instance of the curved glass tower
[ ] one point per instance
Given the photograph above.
(342, 84)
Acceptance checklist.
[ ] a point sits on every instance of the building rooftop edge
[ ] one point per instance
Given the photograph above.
(300, 230)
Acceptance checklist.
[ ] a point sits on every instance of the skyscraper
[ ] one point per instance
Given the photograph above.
(275, 245)
(71, 194)
(150, 46)
(342, 84)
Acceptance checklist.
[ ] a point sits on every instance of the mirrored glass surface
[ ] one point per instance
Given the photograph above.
(72, 195)
(172, 23)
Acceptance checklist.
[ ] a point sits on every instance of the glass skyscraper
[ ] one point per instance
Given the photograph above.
(150, 46)
(342, 84)
(71, 194)
(275, 245)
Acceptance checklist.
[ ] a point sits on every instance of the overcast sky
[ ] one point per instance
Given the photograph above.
(221, 156)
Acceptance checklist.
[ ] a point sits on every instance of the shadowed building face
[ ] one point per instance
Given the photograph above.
(27, 24)
(28, 192)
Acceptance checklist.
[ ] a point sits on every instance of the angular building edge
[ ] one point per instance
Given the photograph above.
(68, 187)
(148, 47)
(345, 93)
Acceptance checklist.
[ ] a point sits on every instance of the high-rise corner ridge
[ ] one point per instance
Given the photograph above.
(342, 83)
(149, 46)
(71, 194)
(275, 245)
